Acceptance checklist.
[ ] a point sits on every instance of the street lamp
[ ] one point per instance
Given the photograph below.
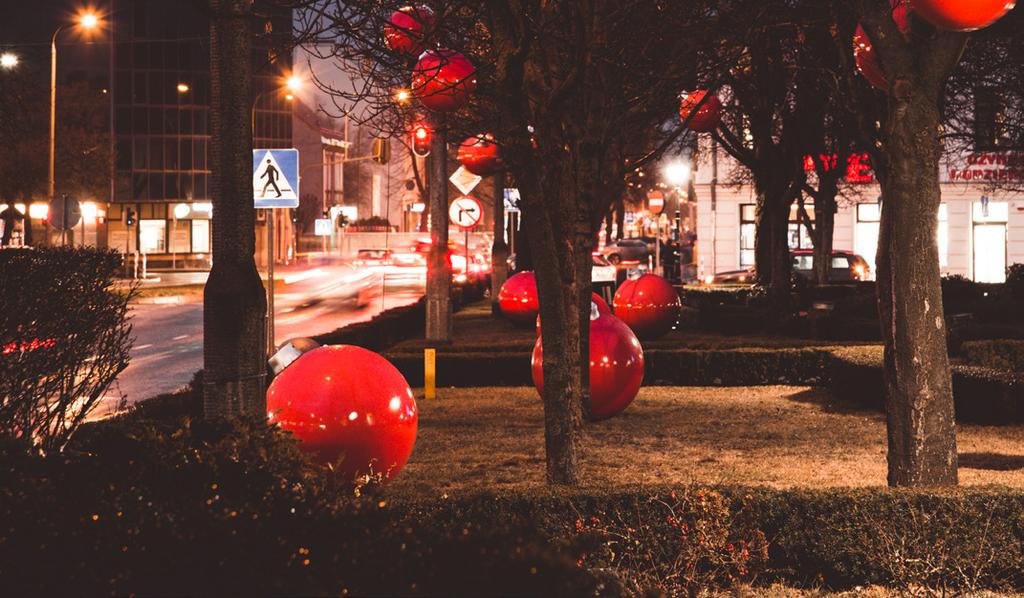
(183, 88)
(87, 21)
(677, 174)
(8, 60)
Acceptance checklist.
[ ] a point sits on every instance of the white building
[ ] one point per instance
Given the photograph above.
(980, 228)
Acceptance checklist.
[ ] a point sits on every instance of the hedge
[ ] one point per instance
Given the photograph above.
(173, 507)
(980, 394)
(997, 354)
(663, 367)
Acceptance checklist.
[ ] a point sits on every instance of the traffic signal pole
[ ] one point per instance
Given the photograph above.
(439, 267)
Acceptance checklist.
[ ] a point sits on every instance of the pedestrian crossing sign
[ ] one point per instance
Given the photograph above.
(275, 178)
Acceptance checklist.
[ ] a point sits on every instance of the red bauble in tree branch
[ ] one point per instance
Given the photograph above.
(443, 79)
(962, 15)
(708, 115)
(864, 53)
(406, 31)
(616, 365)
(348, 407)
(480, 155)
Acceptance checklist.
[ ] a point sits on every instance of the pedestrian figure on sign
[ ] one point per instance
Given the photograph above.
(271, 174)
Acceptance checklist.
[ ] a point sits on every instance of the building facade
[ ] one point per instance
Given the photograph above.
(980, 225)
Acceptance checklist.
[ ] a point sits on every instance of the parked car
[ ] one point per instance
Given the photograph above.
(603, 271)
(846, 267)
(626, 250)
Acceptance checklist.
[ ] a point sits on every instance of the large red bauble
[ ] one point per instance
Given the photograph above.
(349, 407)
(616, 366)
(480, 155)
(518, 299)
(406, 30)
(707, 117)
(962, 15)
(443, 79)
(864, 53)
(649, 305)
(597, 300)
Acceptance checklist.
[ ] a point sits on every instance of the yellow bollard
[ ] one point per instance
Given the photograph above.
(429, 373)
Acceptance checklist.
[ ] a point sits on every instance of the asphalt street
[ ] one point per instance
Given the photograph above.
(168, 347)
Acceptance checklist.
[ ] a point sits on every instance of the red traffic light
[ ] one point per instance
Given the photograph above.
(421, 140)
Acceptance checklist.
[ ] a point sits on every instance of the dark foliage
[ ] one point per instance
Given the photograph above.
(64, 338)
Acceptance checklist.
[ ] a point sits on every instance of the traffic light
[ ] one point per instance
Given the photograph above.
(381, 151)
(421, 140)
(342, 220)
(129, 217)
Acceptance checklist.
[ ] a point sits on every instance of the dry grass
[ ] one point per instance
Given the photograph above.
(776, 436)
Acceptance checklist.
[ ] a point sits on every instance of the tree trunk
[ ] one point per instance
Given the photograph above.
(919, 394)
(771, 250)
(439, 266)
(824, 229)
(234, 300)
(499, 248)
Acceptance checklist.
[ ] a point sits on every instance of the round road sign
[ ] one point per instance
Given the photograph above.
(465, 212)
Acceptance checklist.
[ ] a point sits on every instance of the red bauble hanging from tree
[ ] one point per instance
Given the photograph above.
(407, 29)
(616, 366)
(442, 80)
(518, 299)
(480, 155)
(348, 407)
(708, 115)
(649, 305)
(962, 15)
(864, 53)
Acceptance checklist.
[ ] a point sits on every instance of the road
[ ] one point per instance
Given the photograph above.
(168, 345)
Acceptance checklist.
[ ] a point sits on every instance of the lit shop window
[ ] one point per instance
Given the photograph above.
(152, 236)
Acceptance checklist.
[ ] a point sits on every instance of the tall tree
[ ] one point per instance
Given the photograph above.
(919, 394)
(234, 303)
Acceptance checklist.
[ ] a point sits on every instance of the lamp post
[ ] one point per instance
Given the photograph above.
(291, 85)
(87, 21)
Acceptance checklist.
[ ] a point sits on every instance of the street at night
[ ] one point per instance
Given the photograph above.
(615, 298)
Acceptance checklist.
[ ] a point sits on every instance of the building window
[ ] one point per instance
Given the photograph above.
(942, 234)
(989, 240)
(152, 236)
(748, 234)
(200, 236)
(865, 235)
(799, 236)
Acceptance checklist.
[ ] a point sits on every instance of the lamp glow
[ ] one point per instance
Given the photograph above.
(8, 60)
(88, 20)
(677, 173)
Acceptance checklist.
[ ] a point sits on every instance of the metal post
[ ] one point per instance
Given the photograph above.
(270, 283)
(53, 108)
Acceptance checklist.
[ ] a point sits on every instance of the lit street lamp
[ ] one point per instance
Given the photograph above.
(677, 174)
(8, 60)
(86, 21)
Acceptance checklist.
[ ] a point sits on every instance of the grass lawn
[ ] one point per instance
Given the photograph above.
(776, 436)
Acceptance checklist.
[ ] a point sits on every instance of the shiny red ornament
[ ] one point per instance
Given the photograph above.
(443, 79)
(518, 299)
(406, 30)
(962, 15)
(649, 305)
(616, 366)
(597, 300)
(480, 155)
(864, 53)
(708, 115)
(349, 407)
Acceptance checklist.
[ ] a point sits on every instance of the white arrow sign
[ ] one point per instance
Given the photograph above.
(465, 212)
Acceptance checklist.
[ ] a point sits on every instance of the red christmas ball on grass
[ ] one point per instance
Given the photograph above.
(864, 53)
(518, 299)
(708, 115)
(480, 155)
(616, 366)
(348, 407)
(962, 15)
(406, 30)
(443, 79)
(597, 300)
(649, 305)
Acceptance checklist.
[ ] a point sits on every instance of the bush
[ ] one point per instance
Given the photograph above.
(982, 395)
(64, 337)
(384, 330)
(960, 294)
(995, 354)
(1015, 285)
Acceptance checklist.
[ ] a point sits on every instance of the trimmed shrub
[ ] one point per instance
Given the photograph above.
(384, 330)
(64, 338)
(996, 354)
(982, 395)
